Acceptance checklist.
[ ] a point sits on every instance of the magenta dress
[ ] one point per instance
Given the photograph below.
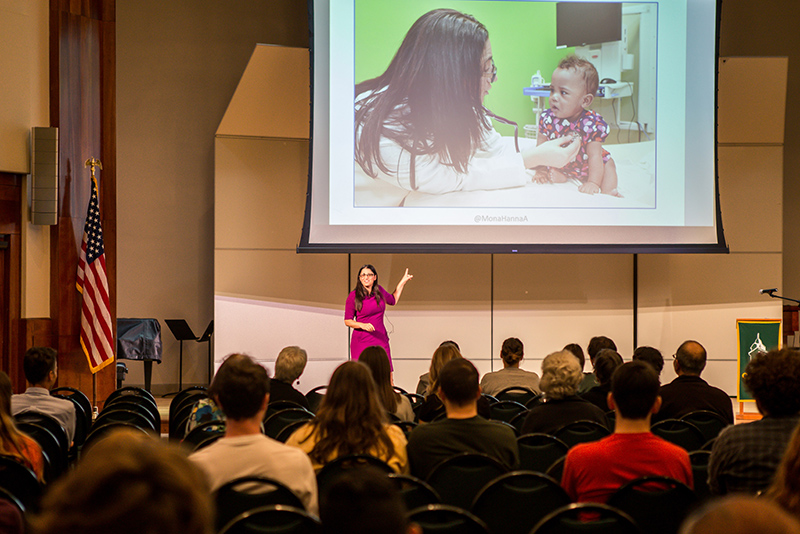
(371, 312)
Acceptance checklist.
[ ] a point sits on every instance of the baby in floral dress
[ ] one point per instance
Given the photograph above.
(572, 91)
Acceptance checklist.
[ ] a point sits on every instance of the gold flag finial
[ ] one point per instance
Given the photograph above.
(93, 162)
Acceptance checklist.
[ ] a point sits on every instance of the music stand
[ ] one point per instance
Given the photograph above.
(182, 332)
(206, 338)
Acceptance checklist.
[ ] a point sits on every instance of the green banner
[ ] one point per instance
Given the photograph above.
(755, 335)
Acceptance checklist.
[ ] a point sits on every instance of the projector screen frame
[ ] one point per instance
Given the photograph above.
(307, 245)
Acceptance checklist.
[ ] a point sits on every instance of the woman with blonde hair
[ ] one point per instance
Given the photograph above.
(561, 376)
(351, 420)
(12, 441)
(433, 407)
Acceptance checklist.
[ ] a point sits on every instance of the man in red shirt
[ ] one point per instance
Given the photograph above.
(594, 471)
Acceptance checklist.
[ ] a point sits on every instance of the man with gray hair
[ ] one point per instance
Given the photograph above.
(689, 392)
(289, 366)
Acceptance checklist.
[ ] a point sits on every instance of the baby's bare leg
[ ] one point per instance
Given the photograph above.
(609, 184)
(557, 177)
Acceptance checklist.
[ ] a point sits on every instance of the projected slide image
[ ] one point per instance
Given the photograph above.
(529, 105)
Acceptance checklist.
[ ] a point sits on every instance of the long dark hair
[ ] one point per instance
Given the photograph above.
(428, 101)
(377, 360)
(351, 418)
(361, 291)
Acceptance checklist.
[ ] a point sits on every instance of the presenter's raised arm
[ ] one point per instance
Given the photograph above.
(554, 153)
(399, 289)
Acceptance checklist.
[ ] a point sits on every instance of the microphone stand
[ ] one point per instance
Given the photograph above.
(772, 294)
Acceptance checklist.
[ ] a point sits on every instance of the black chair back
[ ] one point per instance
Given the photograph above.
(556, 469)
(248, 493)
(315, 396)
(587, 518)
(274, 519)
(506, 410)
(537, 452)
(332, 470)
(458, 479)
(77, 396)
(515, 502)
(290, 429)
(490, 399)
(143, 407)
(416, 401)
(708, 422)
(51, 424)
(195, 393)
(55, 458)
(681, 433)
(581, 432)
(517, 394)
(279, 420)
(100, 432)
(122, 415)
(20, 482)
(699, 460)
(131, 391)
(201, 433)
(445, 519)
(83, 419)
(657, 504)
(535, 401)
(277, 406)
(414, 491)
(178, 423)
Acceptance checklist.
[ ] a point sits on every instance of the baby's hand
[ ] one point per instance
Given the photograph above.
(590, 188)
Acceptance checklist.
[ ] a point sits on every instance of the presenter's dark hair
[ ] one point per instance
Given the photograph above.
(435, 75)
(635, 386)
(361, 291)
(37, 363)
(239, 386)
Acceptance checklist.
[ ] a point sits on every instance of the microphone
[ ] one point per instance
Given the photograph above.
(768, 291)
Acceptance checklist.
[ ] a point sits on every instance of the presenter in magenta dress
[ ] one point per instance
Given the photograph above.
(364, 310)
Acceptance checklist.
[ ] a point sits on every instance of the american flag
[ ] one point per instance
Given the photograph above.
(97, 336)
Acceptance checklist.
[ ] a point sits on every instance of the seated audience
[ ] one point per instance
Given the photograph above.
(594, 471)
(463, 430)
(377, 360)
(740, 515)
(650, 355)
(785, 488)
(605, 363)
(744, 457)
(424, 384)
(351, 420)
(364, 501)
(289, 365)
(689, 392)
(128, 483)
(41, 372)
(561, 375)
(13, 442)
(433, 407)
(241, 389)
(204, 411)
(596, 344)
(512, 353)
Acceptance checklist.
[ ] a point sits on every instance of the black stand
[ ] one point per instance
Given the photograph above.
(182, 332)
(771, 293)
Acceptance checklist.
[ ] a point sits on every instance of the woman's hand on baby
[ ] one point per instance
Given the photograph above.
(561, 151)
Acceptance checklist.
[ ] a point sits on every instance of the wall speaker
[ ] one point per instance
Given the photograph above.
(44, 175)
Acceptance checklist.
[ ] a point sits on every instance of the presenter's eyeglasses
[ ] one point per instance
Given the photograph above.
(491, 72)
(366, 275)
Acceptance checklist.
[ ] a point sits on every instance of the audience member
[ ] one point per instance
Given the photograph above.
(561, 375)
(740, 515)
(605, 363)
(41, 372)
(446, 351)
(744, 457)
(128, 483)
(204, 411)
(650, 355)
(289, 365)
(351, 420)
(364, 501)
(463, 430)
(13, 442)
(594, 471)
(510, 375)
(689, 392)
(433, 407)
(596, 344)
(377, 360)
(241, 389)
(785, 488)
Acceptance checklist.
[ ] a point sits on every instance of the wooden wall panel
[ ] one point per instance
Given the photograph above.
(10, 272)
(82, 65)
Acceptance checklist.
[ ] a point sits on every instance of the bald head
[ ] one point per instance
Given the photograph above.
(690, 358)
